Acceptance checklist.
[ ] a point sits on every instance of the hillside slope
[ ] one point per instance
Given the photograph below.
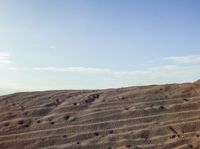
(147, 117)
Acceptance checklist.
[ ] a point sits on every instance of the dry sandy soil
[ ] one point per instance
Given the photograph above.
(147, 117)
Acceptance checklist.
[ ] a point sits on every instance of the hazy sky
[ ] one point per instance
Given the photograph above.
(79, 44)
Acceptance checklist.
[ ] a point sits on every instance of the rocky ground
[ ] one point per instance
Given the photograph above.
(146, 117)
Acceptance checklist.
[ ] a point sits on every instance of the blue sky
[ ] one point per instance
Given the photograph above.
(81, 44)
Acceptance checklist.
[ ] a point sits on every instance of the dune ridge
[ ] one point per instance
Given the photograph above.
(141, 117)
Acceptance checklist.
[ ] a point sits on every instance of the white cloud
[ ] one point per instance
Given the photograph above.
(165, 73)
(152, 75)
(158, 75)
(74, 69)
(162, 71)
(12, 68)
(184, 59)
(4, 57)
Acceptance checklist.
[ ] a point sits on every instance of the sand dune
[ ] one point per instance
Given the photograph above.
(147, 117)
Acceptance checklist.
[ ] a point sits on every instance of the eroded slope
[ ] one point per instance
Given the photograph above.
(148, 117)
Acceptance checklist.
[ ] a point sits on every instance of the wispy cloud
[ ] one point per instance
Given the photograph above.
(12, 68)
(4, 57)
(162, 71)
(184, 59)
(158, 74)
(74, 69)
(152, 75)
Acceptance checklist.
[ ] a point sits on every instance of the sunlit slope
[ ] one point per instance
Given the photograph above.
(148, 117)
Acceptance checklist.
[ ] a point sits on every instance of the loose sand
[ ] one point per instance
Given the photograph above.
(147, 117)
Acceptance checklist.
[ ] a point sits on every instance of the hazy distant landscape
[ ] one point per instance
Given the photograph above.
(7, 91)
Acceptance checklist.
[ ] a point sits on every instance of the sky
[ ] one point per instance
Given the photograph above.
(94, 44)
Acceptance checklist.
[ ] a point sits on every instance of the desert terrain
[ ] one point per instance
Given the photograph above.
(143, 117)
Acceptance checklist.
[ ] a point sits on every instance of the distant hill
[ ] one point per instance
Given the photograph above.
(146, 117)
(4, 91)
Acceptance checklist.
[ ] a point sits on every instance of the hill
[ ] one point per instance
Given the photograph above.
(145, 117)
